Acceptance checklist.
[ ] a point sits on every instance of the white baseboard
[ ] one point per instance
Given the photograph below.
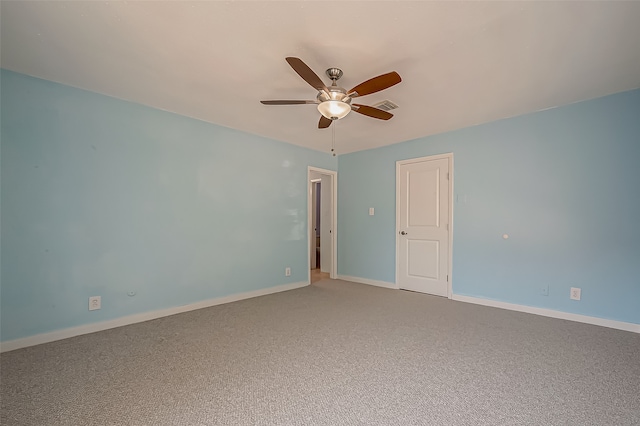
(376, 283)
(37, 339)
(620, 325)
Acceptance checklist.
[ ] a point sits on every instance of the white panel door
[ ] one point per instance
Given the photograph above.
(423, 226)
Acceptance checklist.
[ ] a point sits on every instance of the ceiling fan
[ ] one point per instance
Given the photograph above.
(334, 102)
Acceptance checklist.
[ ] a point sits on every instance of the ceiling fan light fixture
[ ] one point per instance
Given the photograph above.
(334, 102)
(333, 109)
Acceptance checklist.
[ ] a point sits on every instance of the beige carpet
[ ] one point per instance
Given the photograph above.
(334, 353)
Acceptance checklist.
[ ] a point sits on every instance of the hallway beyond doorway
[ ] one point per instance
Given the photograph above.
(318, 275)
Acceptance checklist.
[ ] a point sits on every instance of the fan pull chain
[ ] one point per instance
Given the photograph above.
(333, 139)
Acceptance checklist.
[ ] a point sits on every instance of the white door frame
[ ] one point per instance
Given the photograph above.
(313, 231)
(334, 222)
(448, 156)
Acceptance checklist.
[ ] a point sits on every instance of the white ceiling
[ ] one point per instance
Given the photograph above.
(462, 63)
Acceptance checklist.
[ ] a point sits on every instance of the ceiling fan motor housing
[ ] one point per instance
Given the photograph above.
(334, 93)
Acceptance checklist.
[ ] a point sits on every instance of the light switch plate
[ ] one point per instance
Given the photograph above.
(371, 211)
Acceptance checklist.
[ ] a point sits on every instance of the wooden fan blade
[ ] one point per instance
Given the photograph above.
(324, 122)
(306, 73)
(372, 112)
(376, 84)
(288, 102)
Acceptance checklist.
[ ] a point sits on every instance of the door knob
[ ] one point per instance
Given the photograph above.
(404, 233)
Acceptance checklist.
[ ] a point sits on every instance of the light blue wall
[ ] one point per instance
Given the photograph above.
(563, 183)
(102, 197)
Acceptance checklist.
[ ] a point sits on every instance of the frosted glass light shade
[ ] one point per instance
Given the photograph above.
(334, 110)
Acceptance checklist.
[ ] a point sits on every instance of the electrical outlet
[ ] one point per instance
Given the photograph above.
(287, 272)
(94, 303)
(545, 290)
(575, 293)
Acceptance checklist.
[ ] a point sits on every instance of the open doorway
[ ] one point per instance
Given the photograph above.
(321, 223)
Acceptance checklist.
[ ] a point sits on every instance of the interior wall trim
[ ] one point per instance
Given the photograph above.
(52, 336)
(376, 283)
(333, 273)
(619, 325)
(603, 322)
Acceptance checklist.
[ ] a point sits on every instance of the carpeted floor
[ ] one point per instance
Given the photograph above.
(334, 353)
